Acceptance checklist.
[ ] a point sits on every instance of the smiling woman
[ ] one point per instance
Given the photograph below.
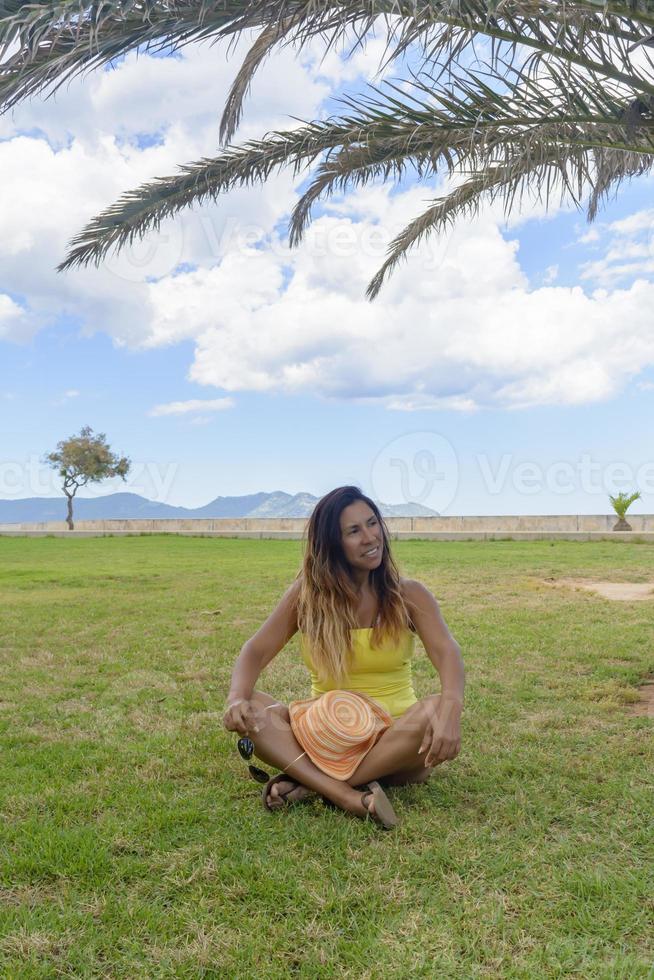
(363, 721)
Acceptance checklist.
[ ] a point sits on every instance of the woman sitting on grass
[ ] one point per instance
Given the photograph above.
(358, 621)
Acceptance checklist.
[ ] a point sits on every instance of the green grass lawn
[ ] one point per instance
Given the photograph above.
(132, 843)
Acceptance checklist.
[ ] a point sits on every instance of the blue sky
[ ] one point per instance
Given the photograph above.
(509, 372)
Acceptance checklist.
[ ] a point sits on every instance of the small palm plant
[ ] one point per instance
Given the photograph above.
(621, 504)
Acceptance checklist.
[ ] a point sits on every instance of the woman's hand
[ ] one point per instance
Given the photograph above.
(442, 737)
(241, 716)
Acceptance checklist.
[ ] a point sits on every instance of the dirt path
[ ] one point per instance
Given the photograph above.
(620, 591)
(645, 706)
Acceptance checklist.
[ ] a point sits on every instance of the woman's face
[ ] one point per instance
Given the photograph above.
(361, 536)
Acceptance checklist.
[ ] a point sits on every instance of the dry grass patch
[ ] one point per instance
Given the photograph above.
(140, 681)
(645, 703)
(38, 658)
(199, 720)
(196, 675)
(146, 721)
(73, 706)
(47, 732)
(544, 719)
(27, 944)
(617, 591)
(198, 952)
(26, 894)
(200, 630)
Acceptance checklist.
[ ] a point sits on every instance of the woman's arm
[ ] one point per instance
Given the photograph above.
(442, 737)
(256, 653)
(440, 646)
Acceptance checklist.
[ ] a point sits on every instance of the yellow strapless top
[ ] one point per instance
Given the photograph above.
(384, 674)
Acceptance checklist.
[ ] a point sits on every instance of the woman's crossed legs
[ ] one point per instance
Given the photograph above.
(395, 757)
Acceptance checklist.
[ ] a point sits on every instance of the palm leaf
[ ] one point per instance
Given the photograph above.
(468, 129)
(58, 40)
(142, 210)
(522, 172)
(563, 104)
(471, 127)
(575, 33)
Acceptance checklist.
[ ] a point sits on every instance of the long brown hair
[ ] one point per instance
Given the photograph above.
(327, 600)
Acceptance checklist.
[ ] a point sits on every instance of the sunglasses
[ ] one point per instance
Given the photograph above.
(245, 747)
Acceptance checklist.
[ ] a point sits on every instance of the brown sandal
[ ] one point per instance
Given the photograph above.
(384, 813)
(271, 782)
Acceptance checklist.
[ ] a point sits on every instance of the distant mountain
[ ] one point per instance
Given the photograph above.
(123, 506)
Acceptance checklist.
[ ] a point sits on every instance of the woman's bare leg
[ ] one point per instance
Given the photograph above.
(395, 758)
(275, 744)
(285, 790)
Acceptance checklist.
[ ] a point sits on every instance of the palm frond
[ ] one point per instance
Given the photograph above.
(562, 104)
(523, 172)
(58, 41)
(241, 84)
(469, 128)
(612, 167)
(61, 39)
(142, 210)
(520, 173)
(577, 34)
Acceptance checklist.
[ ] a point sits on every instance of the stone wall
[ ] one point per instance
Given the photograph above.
(398, 526)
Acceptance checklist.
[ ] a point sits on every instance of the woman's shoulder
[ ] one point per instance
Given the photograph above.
(409, 588)
(417, 597)
(293, 595)
(287, 607)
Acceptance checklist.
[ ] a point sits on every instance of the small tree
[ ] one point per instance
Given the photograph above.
(83, 459)
(621, 505)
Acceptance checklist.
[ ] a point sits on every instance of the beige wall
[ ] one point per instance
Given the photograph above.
(398, 526)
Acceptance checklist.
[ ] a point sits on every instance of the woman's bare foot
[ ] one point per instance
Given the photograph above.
(286, 791)
(368, 801)
(362, 804)
(373, 802)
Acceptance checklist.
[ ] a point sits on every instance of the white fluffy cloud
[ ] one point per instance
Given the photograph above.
(13, 320)
(192, 405)
(66, 158)
(458, 326)
(628, 245)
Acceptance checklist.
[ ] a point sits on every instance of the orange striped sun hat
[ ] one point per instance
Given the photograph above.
(337, 729)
